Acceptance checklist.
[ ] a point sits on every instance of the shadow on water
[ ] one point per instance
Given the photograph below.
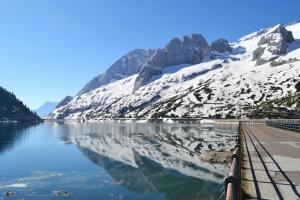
(11, 134)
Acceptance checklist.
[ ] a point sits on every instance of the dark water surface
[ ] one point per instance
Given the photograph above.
(109, 161)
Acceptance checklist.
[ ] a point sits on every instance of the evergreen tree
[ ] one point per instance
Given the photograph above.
(14, 109)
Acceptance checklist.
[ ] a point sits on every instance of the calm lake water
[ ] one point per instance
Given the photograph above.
(110, 161)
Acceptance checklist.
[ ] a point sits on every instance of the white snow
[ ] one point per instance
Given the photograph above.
(209, 88)
(295, 28)
(206, 121)
(15, 185)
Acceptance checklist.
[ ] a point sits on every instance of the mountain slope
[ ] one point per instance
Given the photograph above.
(127, 65)
(191, 49)
(12, 108)
(45, 108)
(64, 101)
(228, 83)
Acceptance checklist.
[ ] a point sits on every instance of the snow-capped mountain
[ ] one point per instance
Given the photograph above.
(46, 108)
(127, 65)
(229, 78)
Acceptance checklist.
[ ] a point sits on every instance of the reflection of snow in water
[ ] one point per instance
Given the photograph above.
(172, 146)
(35, 178)
(15, 185)
(134, 160)
(40, 175)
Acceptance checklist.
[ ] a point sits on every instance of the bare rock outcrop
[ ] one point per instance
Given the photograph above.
(272, 44)
(220, 46)
(127, 65)
(192, 49)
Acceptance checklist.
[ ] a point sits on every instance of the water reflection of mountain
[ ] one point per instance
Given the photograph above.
(11, 134)
(153, 177)
(152, 157)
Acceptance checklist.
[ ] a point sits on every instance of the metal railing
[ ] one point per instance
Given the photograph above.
(289, 124)
(254, 121)
(232, 181)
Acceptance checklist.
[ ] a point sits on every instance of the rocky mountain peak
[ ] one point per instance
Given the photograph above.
(272, 44)
(64, 101)
(221, 45)
(191, 49)
(127, 65)
(279, 32)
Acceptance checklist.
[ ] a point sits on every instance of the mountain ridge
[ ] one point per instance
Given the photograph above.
(46, 108)
(223, 84)
(127, 65)
(64, 101)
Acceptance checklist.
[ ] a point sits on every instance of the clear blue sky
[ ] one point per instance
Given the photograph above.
(51, 48)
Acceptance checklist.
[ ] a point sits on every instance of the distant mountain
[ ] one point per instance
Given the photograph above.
(127, 65)
(64, 101)
(46, 108)
(190, 78)
(12, 108)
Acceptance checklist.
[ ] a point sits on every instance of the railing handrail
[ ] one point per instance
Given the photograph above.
(289, 124)
(232, 181)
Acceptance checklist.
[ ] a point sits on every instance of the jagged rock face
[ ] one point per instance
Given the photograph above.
(273, 43)
(221, 46)
(190, 50)
(145, 75)
(128, 65)
(64, 101)
(218, 87)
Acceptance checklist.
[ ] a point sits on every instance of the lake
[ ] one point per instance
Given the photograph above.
(71, 160)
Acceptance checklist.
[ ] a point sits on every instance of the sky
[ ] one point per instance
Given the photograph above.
(52, 48)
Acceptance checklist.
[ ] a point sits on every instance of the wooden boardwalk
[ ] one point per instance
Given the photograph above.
(270, 163)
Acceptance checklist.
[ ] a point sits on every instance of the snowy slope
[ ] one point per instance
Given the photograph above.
(217, 86)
